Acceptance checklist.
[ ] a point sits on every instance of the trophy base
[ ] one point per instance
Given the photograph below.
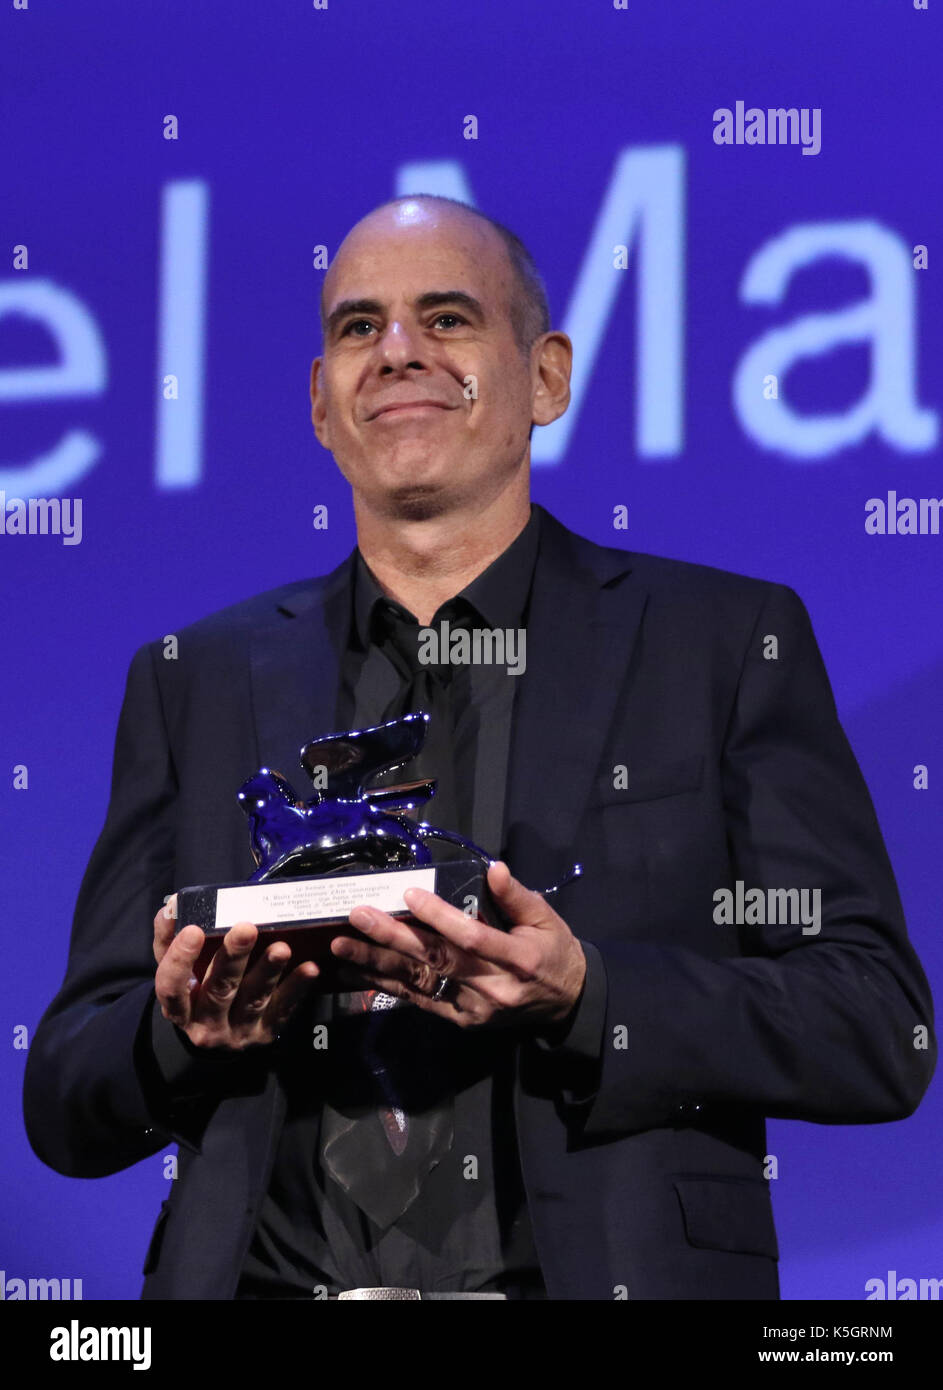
(308, 913)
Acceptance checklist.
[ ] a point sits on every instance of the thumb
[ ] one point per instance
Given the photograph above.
(164, 927)
(518, 903)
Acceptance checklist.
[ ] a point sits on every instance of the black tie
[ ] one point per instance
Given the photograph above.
(430, 687)
(381, 1153)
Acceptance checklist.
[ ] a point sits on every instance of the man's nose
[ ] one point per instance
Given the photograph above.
(399, 345)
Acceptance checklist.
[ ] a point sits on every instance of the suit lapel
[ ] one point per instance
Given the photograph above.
(583, 620)
(295, 669)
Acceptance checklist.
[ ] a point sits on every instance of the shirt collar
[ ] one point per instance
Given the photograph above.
(499, 594)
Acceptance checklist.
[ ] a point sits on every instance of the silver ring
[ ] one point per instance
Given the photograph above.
(440, 988)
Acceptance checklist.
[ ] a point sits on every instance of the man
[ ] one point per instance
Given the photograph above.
(571, 1109)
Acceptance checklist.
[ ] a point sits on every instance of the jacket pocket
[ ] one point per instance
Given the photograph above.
(152, 1257)
(728, 1214)
(649, 783)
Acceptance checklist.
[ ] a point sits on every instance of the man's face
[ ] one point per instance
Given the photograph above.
(422, 395)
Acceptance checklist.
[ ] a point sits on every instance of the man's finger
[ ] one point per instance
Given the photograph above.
(418, 974)
(456, 1000)
(259, 984)
(397, 934)
(174, 973)
(520, 904)
(290, 993)
(468, 933)
(225, 972)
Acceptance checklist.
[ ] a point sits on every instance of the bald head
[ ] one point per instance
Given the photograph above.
(527, 305)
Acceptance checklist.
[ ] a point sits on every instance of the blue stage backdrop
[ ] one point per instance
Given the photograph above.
(737, 211)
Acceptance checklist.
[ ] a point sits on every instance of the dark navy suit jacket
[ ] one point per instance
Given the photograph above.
(735, 768)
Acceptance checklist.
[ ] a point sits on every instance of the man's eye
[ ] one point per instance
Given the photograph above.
(356, 324)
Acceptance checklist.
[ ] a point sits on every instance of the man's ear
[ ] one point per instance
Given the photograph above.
(318, 408)
(552, 364)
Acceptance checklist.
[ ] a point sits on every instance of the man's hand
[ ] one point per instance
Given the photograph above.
(229, 1008)
(531, 974)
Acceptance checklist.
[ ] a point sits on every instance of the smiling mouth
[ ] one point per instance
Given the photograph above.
(408, 409)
